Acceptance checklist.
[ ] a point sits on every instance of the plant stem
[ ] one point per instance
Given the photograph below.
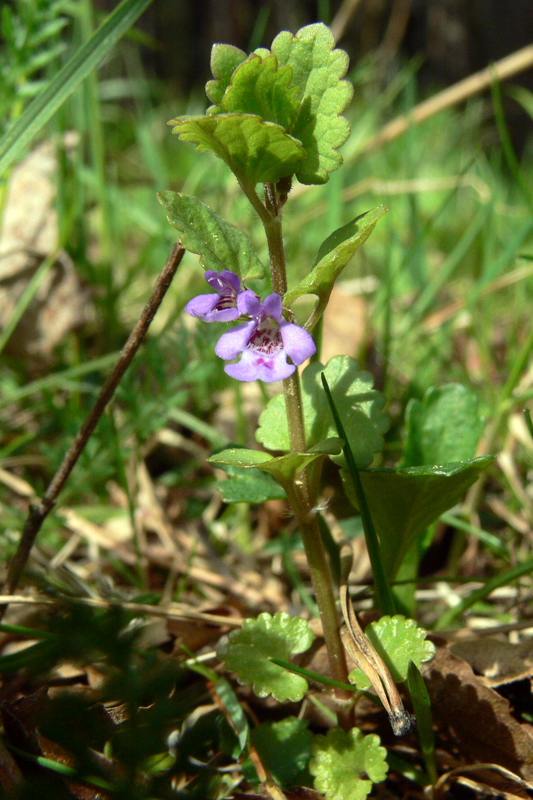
(39, 511)
(299, 493)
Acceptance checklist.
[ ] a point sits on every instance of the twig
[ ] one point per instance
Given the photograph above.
(39, 511)
(478, 82)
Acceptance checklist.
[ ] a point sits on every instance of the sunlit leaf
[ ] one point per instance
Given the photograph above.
(283, 468)
(358, 403)
(225, 58)
(398, 641)
(445, 426)
(346, 763)
(219, 244)
(258, 86)
(333, 255)
(317, 71)
(255, 150)
(247, 653)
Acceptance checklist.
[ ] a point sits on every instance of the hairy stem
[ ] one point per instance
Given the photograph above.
(300, 495)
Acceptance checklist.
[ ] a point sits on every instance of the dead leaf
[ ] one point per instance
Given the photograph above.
(497, 661)
(475, 717)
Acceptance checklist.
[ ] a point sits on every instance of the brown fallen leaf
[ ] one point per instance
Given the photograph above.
(497, 661)
(474, 717)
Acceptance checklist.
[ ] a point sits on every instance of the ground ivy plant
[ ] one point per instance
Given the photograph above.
(277, 116)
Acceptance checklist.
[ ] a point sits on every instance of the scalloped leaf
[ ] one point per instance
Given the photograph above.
(445, 426)
(333, 255)
(255, 151)
(403, 502)
(259, 87)
(219, 244)
(346, 763)
(323, 96)
(248, 650)
(225, 58)
(398, 641)
(359, 405)
(283, 468)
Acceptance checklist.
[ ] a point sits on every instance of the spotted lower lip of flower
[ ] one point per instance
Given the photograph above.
(219, 307)
(265, 343)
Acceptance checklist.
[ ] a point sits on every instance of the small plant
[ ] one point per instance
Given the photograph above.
(276, 116)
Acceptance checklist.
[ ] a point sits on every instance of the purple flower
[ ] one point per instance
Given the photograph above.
(219, 307)
(265, 343)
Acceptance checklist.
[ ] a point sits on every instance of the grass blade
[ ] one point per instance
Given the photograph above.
(384, 594)
(84, 60)
(424, 719)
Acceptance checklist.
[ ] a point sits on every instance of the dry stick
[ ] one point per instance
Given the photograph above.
(478, 82)
(39, 511)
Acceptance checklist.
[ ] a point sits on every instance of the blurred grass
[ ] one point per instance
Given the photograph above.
(448, 286)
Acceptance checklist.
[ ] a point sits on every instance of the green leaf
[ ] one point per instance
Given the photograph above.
(398, 641)
(219, 244)
(284, 748)
(225, 58)
(404, 502)
(444, 427)
(250, 486)
(334, 254)
(317, 71)
(84, 60)
(235, 711)
(346, 763)
(255, 150)
(424, 719)
(247, 654)
(357, 402)
(259, 87)
(283, 468)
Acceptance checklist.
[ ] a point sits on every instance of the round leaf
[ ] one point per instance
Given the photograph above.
(346, 764)
(248, 650)
(398, 641)
(359, 405)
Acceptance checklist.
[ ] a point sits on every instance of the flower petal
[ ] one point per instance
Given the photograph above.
(201, 305)
(298, 344)
(249, 303)
(224, 282)
(232, 343)
(272, 306)
(255, 366)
